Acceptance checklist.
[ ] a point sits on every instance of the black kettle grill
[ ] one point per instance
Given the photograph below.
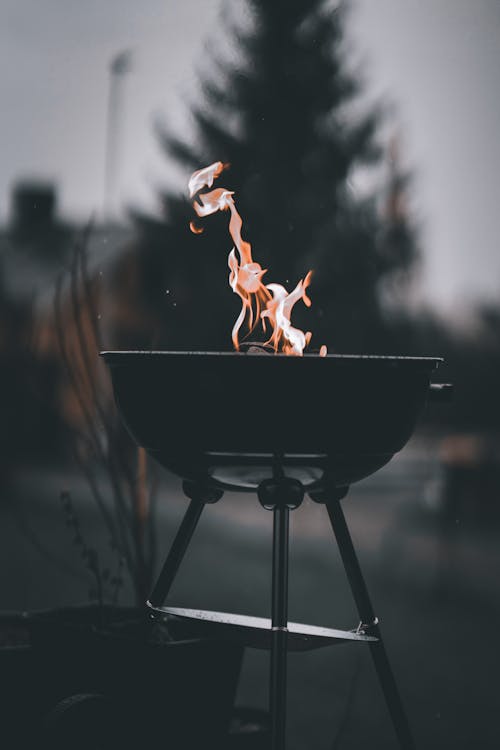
(280, 426)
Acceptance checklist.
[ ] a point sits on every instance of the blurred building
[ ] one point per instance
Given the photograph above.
(37, 251)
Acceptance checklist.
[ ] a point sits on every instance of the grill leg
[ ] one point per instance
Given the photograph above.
(279, 495)
(279, 622)
(367, 616)
(199, 497)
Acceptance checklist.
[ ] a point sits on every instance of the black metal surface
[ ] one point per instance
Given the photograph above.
(369, 623)
(343, 416)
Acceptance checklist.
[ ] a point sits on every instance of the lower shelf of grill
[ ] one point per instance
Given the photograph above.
(253, 631)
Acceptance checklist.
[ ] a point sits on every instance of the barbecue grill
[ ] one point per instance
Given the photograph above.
(280, 426)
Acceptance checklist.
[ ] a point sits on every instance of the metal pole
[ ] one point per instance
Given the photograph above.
(176, 553)
(120, 65)
(370, 621)
(279, 623)
(280, 494)
(200, 495)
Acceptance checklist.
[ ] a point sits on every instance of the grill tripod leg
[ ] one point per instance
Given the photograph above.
(367, 616)
(281, 495)
(199, 497)
(279, 636)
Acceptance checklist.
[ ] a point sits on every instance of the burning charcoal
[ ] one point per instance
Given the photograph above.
(254, 349)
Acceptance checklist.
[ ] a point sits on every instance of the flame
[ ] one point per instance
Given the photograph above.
(205, 177)
(260, 303)
(217, 200)
(285, 337)
(194, 228)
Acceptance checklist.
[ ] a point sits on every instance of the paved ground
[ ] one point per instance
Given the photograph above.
(436, 593)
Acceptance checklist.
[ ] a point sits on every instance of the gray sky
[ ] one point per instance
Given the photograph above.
(437, 60)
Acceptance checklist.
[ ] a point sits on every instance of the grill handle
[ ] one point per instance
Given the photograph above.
(441, 392)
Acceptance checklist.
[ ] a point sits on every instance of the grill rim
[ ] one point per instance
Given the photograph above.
(118, 356)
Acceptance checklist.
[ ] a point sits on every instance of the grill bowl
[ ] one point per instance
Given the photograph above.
(225, 418)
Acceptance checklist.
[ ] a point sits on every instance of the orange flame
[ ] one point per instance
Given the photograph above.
(285, 337)
(259, 302)
(194, 228)
(205, 177)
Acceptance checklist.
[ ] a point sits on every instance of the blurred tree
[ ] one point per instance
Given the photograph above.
(285, 119)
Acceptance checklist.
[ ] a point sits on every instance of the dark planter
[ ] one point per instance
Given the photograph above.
(67, 682)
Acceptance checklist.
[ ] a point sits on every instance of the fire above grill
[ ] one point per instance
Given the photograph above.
(227, 418)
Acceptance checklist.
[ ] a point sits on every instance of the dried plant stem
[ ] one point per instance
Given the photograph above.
(128, 518)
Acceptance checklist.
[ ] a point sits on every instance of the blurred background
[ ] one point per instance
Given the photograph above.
(363, 144)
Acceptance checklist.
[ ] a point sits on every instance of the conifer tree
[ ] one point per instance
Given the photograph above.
(283, 118)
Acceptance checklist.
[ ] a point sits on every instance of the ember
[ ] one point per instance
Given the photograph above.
(260, 303)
